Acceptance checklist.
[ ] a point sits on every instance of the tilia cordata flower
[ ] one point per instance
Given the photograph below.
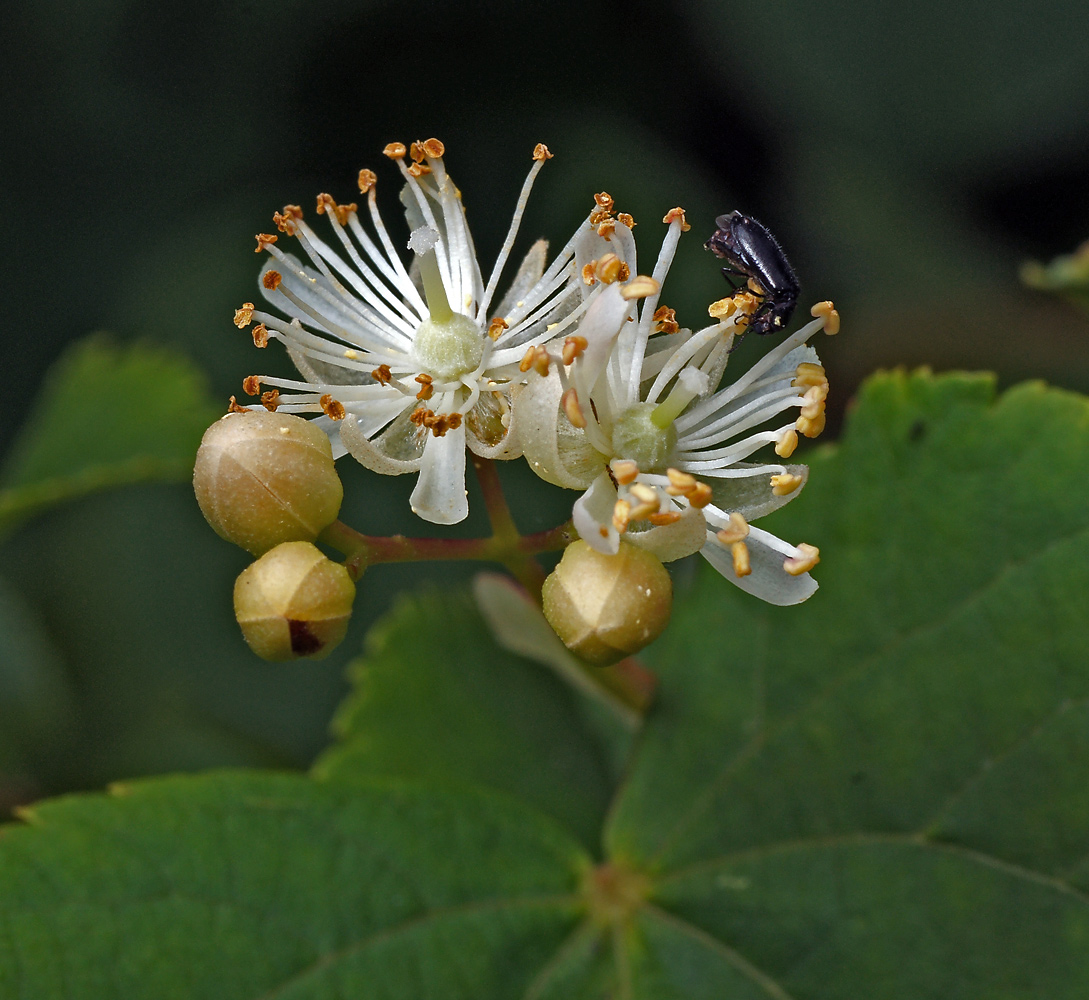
(628, 409)
(408, 365)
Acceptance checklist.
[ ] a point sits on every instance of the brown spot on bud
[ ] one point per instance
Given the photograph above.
(271, 280)
(333, 409)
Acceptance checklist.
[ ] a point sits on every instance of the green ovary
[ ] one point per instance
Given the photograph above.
(637, 437)
(449, 348)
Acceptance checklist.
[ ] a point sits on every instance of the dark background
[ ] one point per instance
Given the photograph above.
(908, 158)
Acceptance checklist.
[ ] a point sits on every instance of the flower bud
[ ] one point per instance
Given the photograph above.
(605, 607)
(266, 478)
(293, 602)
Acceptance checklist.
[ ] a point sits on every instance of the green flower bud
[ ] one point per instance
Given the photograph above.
(607, 607)
(293, 602)
(266, 478)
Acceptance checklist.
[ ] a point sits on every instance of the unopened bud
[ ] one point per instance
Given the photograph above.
(266, 478)
(293, 602)
(607, 607)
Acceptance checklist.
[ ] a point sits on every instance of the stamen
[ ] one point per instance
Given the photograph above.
(722, 309)
(367, 180)
(540, 152)
(788, 441)
(665, 320)
(243, 316)
(677, 213)
(233, 407)
(271, 280)
(664, 517)
(572, 348)
(624, 471)
(736, 531)
(740, 553)
(496, 327)
(639, 287)
(264, 241)
(271, 400)
(570, 403)
(621, 515)
(604, 201)
(827, 311)
(382, 374)
(700, 496)
(395, 151)
(680, 483)
(785, 484)
(331, 408)
(628, 221)
(808, 557)
(251, 385)
(607, 269)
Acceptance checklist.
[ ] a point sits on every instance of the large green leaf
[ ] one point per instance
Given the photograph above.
(436, 698)
(880, 793)
(107, 416)
(883, 791)
(248, 885)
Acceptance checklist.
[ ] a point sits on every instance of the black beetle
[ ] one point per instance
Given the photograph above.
(755, 254)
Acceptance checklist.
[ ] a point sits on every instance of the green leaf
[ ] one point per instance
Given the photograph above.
(883, 791)
(107, 416)
(248, 885)
(437, 699)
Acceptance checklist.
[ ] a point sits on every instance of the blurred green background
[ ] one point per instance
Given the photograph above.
(908, 158)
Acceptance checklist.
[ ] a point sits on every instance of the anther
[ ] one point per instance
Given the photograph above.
(639, 287)
(808, 373)
(431, 147)
(624, 219)
(606, 229)
(736, 531)
(264, 241)
(664, 517)
(680, 483)
(572, 348)
(540, 152)
(665, 320)
(700, 496)
(382, 374)
(251, 385)
(570, 403)
(811, 427)
(418, 170)
(607, 269)
(233, 407)
(496, 327)
(785, 484)
(740, 553)
(722, 309)
(271, 400)
(604, 201)
(677, 213)
(621, 515)
(367, 180)
(243, 316)
(395, 151)
(808, 557)
(624, 471)
(588, 277)
(787, 442)
(827, 312)
(333, 409)
(271, 280)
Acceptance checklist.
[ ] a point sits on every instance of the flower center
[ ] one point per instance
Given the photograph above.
(637, 437)
(448, 348)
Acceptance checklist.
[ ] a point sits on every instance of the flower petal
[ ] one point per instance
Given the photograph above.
(555, 449)
(673, 541)
(439, 496)
(768, 580)
(593, 516)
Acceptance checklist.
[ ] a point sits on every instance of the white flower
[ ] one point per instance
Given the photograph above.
(405, 364)
(629, 413)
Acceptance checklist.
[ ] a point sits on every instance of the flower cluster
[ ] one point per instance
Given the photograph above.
(578, 367)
